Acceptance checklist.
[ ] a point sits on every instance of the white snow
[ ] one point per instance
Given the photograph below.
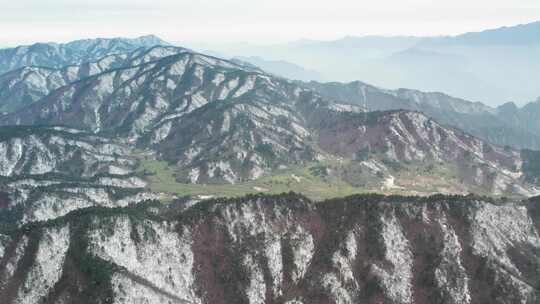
(47, 268)
(396, 282)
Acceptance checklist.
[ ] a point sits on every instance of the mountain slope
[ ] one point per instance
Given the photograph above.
(46, 172)
(145, 86)
(283, 68)
(42, 150)
(26, 85)
(402, 138)
(280, 249)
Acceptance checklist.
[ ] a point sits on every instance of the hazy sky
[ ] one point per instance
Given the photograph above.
(258, 21)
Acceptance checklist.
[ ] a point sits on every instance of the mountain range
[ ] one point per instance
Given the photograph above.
(114, 153)
(493, 66)
(246, 124)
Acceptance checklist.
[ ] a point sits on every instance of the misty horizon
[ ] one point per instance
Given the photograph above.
(234, 21)
(187, 43)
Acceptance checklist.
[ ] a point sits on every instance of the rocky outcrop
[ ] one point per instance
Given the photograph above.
(281, 249)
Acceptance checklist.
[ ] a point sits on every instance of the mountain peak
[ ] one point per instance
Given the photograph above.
(509, 106)
(151, 40)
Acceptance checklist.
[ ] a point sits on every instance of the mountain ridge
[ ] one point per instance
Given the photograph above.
(526, 33)
(280, 248)
(57, 55)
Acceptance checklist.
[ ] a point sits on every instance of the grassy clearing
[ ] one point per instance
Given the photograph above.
(162, 180)
(300, 180)
(308, 180)
(434, 178)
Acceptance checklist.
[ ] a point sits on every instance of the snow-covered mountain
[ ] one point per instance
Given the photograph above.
(46, 172)
(26, 85)
(55, 55)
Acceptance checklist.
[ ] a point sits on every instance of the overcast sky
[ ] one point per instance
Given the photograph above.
(256, 21)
